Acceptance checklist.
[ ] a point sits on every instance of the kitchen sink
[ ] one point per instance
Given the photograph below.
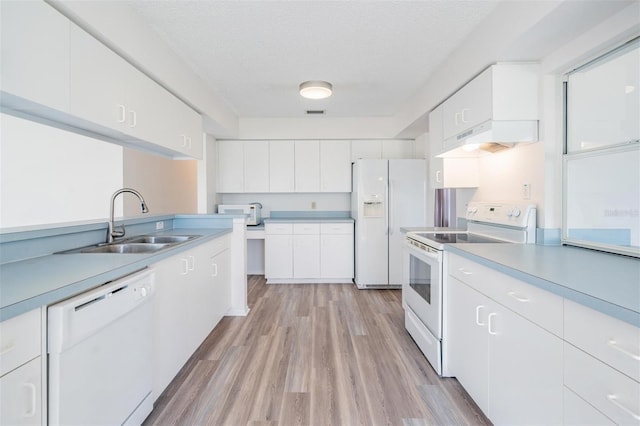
(126, 248)
(161, 239)
(136, 245)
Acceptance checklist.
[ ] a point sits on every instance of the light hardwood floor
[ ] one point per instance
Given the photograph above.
(322, 354)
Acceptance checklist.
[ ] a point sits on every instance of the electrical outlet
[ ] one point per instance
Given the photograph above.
(313, 205)
(526, 191)
(159, 225)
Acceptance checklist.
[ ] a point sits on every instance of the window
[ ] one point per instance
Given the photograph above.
(602, 153)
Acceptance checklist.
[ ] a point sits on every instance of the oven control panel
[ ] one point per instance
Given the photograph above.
(511, 214)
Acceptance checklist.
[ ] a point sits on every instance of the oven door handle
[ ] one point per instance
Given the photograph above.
(424, 253)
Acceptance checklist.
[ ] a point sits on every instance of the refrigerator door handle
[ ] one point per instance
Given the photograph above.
(386, 213)
(389, 204)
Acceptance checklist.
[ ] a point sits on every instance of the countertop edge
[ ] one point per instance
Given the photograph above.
(608, 308)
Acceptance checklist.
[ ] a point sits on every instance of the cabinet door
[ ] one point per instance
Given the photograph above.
(436, 133)
(201, 294)
(230, 166)
(398, 149)
(467, 348)
(307, 170)
(256, 166)
(336, 256)
(525, 371)
(306, 256)
(170, 321)
(35, 53)
(96, 73)
(366, 149)
(21, 390)
(335, 166)
(468, 107)
(220, 270)
(281, 166)
(278, 256)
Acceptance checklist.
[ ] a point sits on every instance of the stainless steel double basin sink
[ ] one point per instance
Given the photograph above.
(137, 245)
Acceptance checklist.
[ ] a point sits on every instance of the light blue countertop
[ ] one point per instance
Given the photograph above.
(46, 279)
(606, 282)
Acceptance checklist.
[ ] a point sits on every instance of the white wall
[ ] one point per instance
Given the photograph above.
(168, 186)
(503, 174)
(207, 172)
(289, 202)
(48, 175)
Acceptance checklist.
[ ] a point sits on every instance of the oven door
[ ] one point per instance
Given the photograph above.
(422, 286)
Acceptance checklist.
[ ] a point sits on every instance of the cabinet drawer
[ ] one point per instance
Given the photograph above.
(20, 339)
(336, 228)
(537, 305)
(611, 392)
(306, 228)
(577, 412)
(278, 228)
(218, 245)
(612, 341)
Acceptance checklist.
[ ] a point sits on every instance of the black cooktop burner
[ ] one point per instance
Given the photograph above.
(458, 238)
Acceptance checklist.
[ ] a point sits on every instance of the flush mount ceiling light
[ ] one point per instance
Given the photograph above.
(315, 89)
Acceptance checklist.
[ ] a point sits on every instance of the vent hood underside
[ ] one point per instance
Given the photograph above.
(491, 136)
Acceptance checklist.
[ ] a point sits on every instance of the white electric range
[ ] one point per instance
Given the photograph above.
(425, 259)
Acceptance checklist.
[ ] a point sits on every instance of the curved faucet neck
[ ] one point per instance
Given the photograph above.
(112, 233)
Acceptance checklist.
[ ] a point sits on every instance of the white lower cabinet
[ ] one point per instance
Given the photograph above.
(21, 395)
(336, 251)
(578, 412)
(509, 365)
(192, 294)
(21, 378)
(308, 252)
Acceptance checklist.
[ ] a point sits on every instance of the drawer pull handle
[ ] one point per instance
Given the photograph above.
(464, 271)
(615, 346)
(478, 308)
(8, 348)
(614, 400)
(490, 322)
(33, 391)
(519, 298)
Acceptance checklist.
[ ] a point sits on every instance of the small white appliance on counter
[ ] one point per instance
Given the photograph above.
(387, 195)
(425, 260)
(252, 211)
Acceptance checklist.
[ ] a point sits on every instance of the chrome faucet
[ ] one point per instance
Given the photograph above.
(112, 233)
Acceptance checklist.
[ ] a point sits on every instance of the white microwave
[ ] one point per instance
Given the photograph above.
(252, 211)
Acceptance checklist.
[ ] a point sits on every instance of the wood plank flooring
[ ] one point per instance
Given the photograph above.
(322, 354)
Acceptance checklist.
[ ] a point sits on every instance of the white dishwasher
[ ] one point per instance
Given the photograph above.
(100, 349)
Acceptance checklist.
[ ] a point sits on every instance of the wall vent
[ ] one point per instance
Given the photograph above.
(315, 112)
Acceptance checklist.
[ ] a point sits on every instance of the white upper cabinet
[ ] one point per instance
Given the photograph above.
(366, 150)
(114, 98)
(503, 92)
(53, 69)
(335, 166)
(281, 166)
(256, 166)
(398, 149)
(230, 166)
(307, 169)
(469, 106)
(378, 149)
(34, 56)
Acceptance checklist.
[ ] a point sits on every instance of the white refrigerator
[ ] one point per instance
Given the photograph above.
(386, 195)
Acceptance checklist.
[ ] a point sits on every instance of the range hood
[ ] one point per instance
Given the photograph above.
(491, 136)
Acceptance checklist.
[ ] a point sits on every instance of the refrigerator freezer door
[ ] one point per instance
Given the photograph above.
(407, 207)
(370, 183)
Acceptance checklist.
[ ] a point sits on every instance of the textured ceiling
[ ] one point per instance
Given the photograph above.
(254, 54)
